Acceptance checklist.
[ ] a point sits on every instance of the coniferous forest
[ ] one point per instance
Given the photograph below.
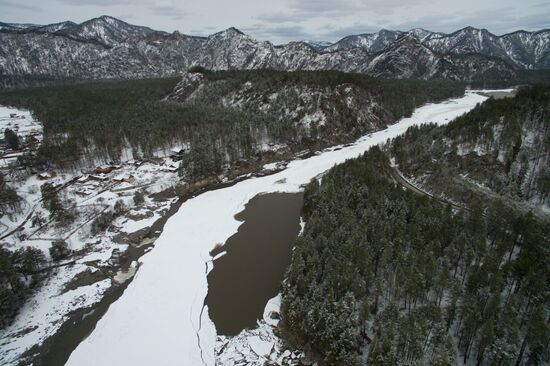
(102, 119)
(502, 145)
(385, 276)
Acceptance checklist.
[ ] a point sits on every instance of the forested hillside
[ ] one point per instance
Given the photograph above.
(384, 276)
(500, 148)
(230, 116)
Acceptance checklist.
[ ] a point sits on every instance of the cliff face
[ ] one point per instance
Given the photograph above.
(331, 106)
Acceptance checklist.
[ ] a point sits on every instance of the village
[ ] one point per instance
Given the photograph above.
(101, 186)
(112, 211)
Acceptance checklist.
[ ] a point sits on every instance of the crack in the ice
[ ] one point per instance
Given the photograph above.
(200, 322)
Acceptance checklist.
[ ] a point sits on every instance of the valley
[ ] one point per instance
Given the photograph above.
(192, 261)
(377, 197)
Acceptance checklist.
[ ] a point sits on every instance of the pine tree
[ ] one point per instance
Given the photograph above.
(11, 139)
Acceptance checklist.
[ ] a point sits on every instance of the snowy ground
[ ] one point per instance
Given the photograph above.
(23, 124)
(50, 306)
(161, 314)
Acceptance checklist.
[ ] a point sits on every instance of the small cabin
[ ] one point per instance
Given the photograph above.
(13, 115)
(82, 179)
(176, 154)
(128, 178)
(99, 177)
(170, 169)
(47, 175)
(103, 169)
(84, 191)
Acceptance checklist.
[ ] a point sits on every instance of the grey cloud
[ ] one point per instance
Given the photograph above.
(299, 10)
(497, 21)
(166, 10)
(279, 17)
(332, 33)
(314, 8)
(283, 32)
(293, 19)
(325, 7)
(19, 6)
(99, 2)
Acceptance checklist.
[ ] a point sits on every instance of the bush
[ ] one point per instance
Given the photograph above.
(197, 68)
(11, 139)
(119, 208)
(9, 200)
(28, 260)
(102, 223)
(52, 202)
(104, 220)
(139, 197)
(38, 220)
(59, 250)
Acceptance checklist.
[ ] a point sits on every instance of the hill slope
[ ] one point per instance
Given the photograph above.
(223, 116)
(501, 148)
(384, 276)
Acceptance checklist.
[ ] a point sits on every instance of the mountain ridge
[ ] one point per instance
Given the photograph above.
(106, 47)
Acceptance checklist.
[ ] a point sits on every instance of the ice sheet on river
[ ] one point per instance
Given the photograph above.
(160, 317)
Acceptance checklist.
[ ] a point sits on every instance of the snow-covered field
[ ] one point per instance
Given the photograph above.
(23, 124)
(160, 318)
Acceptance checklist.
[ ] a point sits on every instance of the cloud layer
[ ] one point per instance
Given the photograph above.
(287, 20)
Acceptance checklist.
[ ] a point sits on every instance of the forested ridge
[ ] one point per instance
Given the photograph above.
(501, 146)
(384, 276)
(101, 119)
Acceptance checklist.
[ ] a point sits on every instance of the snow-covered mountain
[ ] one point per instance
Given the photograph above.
(106, 30)
(16, 26)
(319, 45)
(106, 47)
(372, 42)
(407, 57)
(378, 41)
(526, 50)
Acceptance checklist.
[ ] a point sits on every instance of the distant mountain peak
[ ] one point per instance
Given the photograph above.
(405, 39)
(234, 30)
(419, 29)
(106, 47)
(230, 32)
(318, 45)
(109, 18)
(423, 34)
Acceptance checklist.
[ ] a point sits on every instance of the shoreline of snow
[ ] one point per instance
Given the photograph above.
(161, 312)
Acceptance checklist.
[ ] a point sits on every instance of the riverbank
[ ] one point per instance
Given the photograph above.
(171, 283)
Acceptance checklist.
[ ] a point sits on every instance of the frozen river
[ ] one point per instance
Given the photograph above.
(160, 318)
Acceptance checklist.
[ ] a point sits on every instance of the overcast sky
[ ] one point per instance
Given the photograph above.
(286, 20)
